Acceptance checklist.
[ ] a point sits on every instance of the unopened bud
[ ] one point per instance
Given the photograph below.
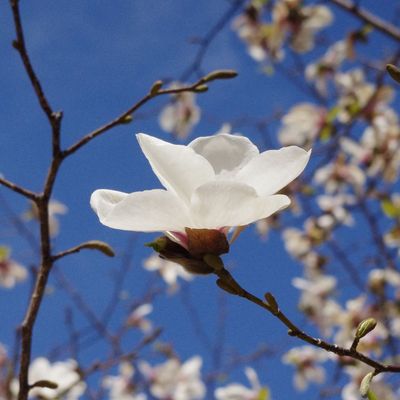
(159, 244)
(105, 248)
(126, 120)
(220, 74)
(394, 72)
(272, 303)
(156, 87)
(45, 384)
(201, 88)
(365, 327)
(365, 383)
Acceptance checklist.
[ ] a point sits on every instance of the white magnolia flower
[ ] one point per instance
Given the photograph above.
(137, 318)
(324, 69)
(305, 359)
(181, 115)
(213, 183)
(173, 380)
(335, 209)
(236, 391)
(302, 124)
(55, 208)
(63, 373)
(11, 272)
(168, 270)
(121, 386)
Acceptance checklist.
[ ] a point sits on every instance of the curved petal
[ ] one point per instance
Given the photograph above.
(148, 211)
(225, 152)
(274, 169)
(177, 167)
(226, 203)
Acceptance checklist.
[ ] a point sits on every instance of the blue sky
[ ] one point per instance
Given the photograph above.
(95, 59)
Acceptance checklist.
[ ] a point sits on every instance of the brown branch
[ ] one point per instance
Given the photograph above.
(121, 118)
(229, 284)
(18, 189)
(381, 25)
(19, 45)
(35, 300)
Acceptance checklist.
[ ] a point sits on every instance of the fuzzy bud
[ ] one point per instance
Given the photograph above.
(365, 327)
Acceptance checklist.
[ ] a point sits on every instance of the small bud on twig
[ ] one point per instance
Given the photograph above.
(157, 85)
(365, 327)
(365, 383)
(201, 88)
(98, 245)
(272, 303)
(126, 120)
(220, 74)
(394, 72)
(44, 384)
(159, 244)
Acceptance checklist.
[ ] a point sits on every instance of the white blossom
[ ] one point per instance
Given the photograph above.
(11, 272)
(237, 391)
(302, 124)
(55, 208)
(213, 183)
(62, 373)
(173, 380)
(305, 359)
(121, 387)
(137, 317)
(181, 115)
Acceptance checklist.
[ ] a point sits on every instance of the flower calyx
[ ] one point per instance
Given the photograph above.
(200, 254)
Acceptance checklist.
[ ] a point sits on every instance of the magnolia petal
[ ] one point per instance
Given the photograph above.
(148, 211)
(225, 152)
(226, 203)
(274, 169)
(177, 167)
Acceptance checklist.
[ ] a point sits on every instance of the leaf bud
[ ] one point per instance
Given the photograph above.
(99, 245)
(156, 87)
(220, 74)
(126, 120)
(365, 327)
(365, 383)
(201, 88)
(159, 244)
(272, 303)
(44, 383)
(394, 72)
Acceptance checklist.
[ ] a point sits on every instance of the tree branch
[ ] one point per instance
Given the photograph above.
(18, 189)
(229, 284)
(19, 45)
(381, 25)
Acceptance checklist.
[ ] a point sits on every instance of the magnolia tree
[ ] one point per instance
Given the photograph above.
(280, 185)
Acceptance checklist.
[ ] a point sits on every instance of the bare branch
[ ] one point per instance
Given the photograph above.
(195, 87)
(18, 189)
(19, 45)
(384, 26)
(229, 284)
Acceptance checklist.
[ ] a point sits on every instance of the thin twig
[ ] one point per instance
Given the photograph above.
(228, 283)
(18, 189)
(120, 119)
(382, 25)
